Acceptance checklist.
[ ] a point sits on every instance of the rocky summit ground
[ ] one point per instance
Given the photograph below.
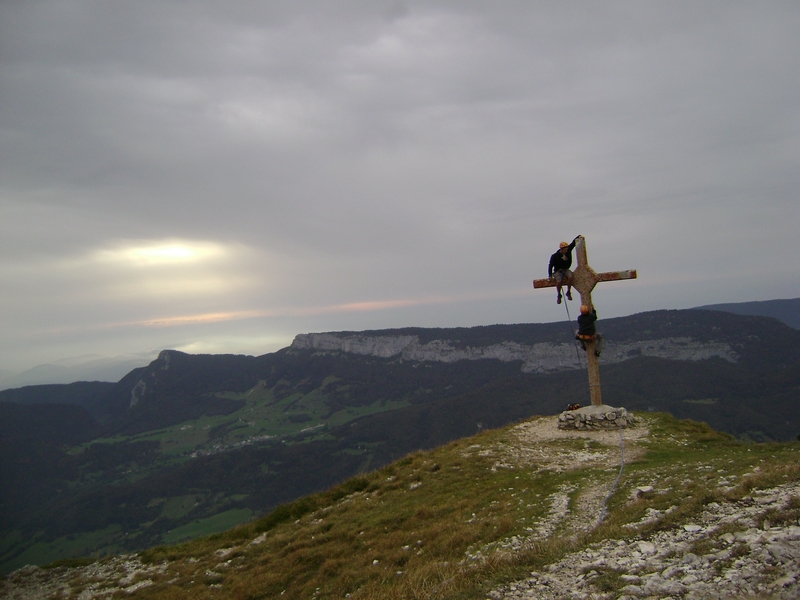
(662, 510)
(758, 561)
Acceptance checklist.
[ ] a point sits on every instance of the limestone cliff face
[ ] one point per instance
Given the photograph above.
(536, 358)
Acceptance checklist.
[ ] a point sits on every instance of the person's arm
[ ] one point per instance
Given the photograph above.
(550, 268)
(572, 245)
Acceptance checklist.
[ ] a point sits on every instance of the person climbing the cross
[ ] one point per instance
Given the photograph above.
(559, 268)
(587, 330)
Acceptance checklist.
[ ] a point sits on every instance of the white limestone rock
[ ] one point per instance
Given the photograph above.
(543, 357)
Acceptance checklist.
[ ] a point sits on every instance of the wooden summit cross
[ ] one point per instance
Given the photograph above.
(584, 280)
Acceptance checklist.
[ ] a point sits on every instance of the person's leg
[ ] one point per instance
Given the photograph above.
(559, 279)
(569, 284)
(598, 347)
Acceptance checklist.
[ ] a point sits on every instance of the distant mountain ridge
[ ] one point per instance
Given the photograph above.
(178, 386)
(106, 370)
(111, 370)
(786, 311)
(81, 393)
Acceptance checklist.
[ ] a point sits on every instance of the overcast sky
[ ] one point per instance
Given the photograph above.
(220, 176)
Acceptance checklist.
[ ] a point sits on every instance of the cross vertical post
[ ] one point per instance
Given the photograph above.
(584, 280)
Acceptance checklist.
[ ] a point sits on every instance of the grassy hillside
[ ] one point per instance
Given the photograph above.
(465, 519)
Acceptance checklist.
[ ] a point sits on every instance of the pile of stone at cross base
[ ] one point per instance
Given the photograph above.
(595, 417)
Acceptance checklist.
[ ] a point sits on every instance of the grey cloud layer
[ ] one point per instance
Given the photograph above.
(362, 152)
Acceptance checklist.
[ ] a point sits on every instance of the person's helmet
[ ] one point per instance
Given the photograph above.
(584, 309)
(563, 245)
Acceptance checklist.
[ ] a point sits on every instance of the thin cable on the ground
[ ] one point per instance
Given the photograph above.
(604, 509)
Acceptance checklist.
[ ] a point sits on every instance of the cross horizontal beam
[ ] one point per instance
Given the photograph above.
(608, 276)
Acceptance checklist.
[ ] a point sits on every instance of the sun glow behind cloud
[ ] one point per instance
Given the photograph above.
(189, 270)
(149, 254)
